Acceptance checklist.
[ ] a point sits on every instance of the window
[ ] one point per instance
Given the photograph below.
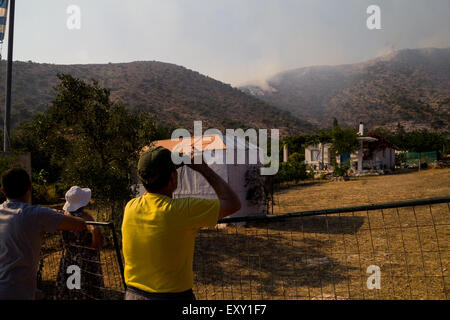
(315, 155)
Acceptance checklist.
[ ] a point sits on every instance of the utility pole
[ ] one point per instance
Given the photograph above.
(7, 126)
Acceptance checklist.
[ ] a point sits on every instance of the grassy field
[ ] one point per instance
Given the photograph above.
(364, 190)
(326, 257)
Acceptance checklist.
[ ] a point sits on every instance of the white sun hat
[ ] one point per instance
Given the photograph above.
(77, 198)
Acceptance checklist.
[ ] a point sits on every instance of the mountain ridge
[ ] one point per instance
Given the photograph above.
(174, 94)
(410, 86)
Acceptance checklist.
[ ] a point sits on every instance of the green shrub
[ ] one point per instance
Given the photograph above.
(342, 170)
(44, 194)
(292, 171)
(296, 157)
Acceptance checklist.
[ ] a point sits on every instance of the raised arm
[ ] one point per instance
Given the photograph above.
(229, 201)
(70, 223)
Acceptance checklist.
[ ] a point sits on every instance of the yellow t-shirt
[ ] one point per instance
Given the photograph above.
(158, 238)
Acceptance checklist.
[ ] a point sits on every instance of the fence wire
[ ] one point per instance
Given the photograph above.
(101, 270)
(317, 255)
(325, 254)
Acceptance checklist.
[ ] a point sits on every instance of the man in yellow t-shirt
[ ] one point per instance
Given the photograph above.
(158, 232)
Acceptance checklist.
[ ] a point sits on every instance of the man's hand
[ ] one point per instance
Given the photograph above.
(193, 165)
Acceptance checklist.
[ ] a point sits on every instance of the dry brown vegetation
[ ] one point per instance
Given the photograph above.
(365, 190)
(176, 96)
(326, 257)
(409, 86)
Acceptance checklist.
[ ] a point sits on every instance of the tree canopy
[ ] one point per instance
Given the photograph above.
(344, 140)
(85, 139)
(420, 141)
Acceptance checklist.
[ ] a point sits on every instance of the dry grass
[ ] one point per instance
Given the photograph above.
(364, 190)
(326, 257)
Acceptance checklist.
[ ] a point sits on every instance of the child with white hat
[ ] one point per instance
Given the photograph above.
(81, 249)
(77, 198)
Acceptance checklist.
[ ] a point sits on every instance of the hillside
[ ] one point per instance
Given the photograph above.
(408, 86)
(175, 95)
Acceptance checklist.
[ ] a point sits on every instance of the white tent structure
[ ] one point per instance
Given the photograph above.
(243, 176)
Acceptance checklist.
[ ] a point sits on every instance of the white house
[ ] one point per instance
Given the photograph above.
(369, 155)
(319, 156)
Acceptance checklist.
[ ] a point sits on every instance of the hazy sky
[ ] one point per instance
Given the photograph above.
(234, 41)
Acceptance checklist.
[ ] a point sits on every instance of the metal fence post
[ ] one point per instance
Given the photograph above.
(119, 255)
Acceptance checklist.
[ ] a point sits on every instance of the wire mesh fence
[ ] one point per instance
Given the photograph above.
(330, 254)
(101, 270)
(387, 251)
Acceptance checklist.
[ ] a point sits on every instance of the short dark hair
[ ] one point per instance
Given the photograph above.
(15, 183)
(161, 182)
